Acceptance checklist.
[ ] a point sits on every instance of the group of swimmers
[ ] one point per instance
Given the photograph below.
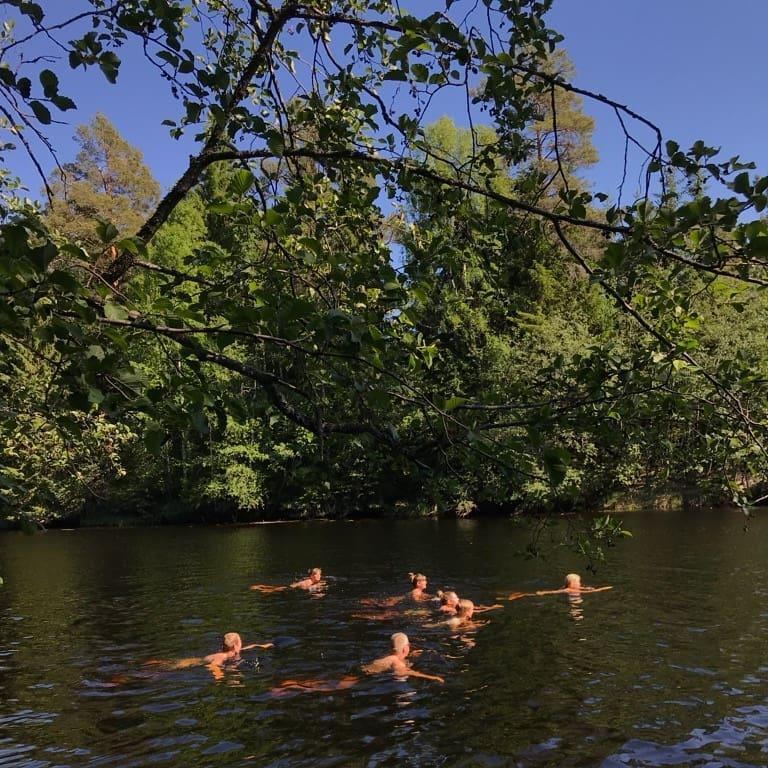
(460, 613)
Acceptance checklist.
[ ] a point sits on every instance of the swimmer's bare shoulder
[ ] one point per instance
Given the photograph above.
(384, 664)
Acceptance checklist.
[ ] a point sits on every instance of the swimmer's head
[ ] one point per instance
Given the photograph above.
(449, 598)
(231, 642)
(418, 580)
(315, 574)
(465, 609)
(573, 581)
(400, 645)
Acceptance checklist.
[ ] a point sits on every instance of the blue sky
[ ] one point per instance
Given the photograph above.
(695, 67)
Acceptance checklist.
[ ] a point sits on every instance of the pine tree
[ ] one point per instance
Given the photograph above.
(574, 130)
(107, 181)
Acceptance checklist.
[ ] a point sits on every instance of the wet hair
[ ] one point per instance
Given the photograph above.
(230, 641)
(571, 577)
(464, 607)
(399, 641)
(313, 571)
(415, 577)
(446, 597)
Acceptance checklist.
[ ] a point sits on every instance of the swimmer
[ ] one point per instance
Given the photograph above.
(418, 593)
(419, 587)
(231, 647)
(462, 622)
(465, 610)
(572, 586)
(450, 602)
(313, 583)
(395, 662)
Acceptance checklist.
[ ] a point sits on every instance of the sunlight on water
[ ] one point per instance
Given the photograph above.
(666, 669)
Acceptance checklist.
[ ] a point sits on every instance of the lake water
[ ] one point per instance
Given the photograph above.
(668, 668)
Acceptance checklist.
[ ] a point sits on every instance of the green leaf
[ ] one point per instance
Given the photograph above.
(221, 207)
(50, 83)
(109, 64)
(276, 144)
(33, 10)
(107, 232)
(741, 183)
(113, 311)
(41, 112)
(171, 58)
(63, 102)
(452, 403)
(313, 244)
(272, 217)
(396, 74)
(24, 86)
(241, 181)
(132, 245)
(614, 255)
(95, 351)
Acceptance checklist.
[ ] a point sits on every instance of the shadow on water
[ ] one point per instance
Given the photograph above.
(666, 669)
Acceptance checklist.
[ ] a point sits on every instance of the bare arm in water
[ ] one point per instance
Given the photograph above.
(484, 608)
(518, 595)
(398, 667)
(562, 591)
(309, 584)
(288, 687)
(572, 590)
(267, 589)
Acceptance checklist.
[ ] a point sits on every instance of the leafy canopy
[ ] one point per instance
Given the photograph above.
(364, 282)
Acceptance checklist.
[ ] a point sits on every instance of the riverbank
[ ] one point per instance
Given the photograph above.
(668, 498)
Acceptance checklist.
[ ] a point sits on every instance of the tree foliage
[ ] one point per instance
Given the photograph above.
(342, 303)
(107, 184)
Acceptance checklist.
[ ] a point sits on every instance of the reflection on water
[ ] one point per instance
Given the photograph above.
(576, 607)
(666, 669)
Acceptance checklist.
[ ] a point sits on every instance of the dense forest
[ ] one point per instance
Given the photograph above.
(348, 304)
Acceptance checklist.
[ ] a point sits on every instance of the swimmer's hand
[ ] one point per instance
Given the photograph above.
(423, 676)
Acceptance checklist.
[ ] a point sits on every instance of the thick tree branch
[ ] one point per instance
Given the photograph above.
(117, 269)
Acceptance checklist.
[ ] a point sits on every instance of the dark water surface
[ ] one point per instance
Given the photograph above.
(669, 668)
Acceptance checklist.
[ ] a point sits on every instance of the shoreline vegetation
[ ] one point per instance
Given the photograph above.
(392, 294)
(669, 498)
